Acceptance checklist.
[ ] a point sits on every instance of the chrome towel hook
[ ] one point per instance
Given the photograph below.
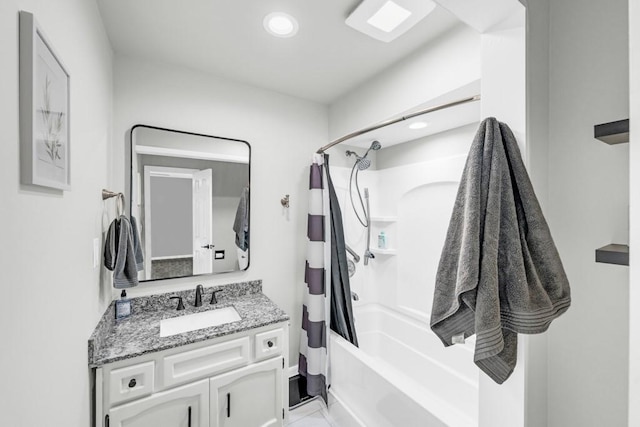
(285, 201)
(106, 194)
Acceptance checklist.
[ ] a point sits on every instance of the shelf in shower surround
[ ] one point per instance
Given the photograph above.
(384, 219)
(379, 251)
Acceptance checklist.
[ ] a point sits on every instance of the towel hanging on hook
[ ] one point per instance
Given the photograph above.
(122, 250)
(120, 206)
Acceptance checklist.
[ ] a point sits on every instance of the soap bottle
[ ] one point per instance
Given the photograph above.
(123, 306)
(382, 240)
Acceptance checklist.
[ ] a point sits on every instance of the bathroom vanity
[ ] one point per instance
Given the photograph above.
(229, 374)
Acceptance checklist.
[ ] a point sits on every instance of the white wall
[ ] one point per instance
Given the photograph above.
(588, 208)
(50, 290)
(283, 132)
(445, 144)
(634, 201)
(504, 97)
(537, 130)
(447, 63)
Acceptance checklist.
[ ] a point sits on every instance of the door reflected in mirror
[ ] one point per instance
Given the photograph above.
(189, 196)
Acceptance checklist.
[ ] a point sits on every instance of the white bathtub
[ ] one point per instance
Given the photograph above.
(402, 376)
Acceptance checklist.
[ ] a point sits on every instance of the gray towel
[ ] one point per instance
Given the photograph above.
(119, 254)
(241, 223)
(500, 273)
(137, 249)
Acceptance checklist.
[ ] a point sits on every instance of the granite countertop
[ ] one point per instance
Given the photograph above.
(114, 340)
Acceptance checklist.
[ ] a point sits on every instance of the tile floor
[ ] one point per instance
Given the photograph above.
(312, 414)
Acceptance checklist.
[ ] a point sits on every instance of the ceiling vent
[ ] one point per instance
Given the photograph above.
(385, 20)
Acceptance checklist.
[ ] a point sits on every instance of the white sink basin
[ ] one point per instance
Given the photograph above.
(192, 322)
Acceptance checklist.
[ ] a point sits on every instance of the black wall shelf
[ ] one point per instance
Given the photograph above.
(613, 254)
(613, 132)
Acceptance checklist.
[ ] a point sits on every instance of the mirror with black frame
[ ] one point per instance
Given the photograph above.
(189, 197)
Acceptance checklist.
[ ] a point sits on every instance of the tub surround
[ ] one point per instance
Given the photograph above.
(401, 373)
(114, 340)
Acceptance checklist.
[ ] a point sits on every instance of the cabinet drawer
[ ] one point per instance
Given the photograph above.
(130, 382)
(268, 344)
(202, 362)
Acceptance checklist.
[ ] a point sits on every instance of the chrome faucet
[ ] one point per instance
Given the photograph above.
(199, 291)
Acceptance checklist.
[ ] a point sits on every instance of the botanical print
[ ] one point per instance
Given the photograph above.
(44, 111)
(53, 125)
(51, 119)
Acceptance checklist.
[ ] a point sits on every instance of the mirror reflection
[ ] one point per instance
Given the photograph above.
(190, 198)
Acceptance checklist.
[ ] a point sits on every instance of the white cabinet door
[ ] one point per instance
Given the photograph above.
(186, 406)
(248, 397)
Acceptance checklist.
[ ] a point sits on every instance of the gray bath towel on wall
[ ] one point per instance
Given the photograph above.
(120, 254)
(500, 273)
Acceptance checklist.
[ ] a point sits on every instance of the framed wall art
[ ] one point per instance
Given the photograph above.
(44, 110)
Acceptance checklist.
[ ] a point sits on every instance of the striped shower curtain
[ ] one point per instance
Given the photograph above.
(313, 360)
(327, 294)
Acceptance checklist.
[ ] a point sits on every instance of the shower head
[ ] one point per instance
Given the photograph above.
(375, 146)
(363, 163)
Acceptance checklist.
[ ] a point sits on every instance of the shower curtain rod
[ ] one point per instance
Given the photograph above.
(399, 119)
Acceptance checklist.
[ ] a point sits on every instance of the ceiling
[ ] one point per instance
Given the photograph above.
(323, 61)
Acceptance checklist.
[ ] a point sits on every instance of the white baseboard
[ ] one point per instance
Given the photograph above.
(293, 371)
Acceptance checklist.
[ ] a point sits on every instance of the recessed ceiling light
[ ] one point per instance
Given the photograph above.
(280, 24)
(389, 16)
(418, 125)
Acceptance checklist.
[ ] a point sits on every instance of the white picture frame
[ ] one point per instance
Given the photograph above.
(45, 155)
